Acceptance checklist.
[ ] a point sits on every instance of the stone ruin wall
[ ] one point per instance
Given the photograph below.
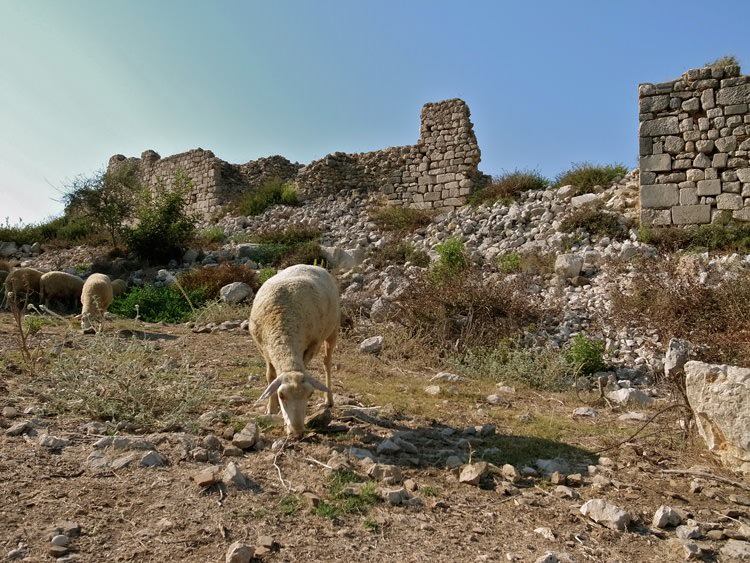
(694, 138)
(439, 171)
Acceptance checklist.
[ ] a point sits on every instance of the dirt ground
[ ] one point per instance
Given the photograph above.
(110, 508)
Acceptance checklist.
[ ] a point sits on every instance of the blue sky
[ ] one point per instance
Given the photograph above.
(548, 83)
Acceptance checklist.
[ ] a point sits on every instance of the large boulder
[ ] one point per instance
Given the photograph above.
(720, 398)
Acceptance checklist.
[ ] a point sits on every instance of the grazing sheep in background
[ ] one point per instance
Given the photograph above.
(96, 298)
(21, 284)
(118, 287)
(62, 287)
(293, 314)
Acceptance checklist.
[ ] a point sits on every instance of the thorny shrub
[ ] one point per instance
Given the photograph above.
(508, 187)
(467, 312)
(595, 221)
(400, 220)
(398, 252)
(212, 279)
(120, 380)
(586, 176)
(668, 297)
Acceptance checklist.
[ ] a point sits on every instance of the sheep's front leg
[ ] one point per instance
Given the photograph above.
(273, 401)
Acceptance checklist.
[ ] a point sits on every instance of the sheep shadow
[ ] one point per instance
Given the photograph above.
(143, 335)
(442, 446)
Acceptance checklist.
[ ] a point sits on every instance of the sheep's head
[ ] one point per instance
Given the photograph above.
(294, 388)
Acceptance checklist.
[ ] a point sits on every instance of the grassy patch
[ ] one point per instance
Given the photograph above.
(295, 244)
(733, 237)
(61, 232)
(538, 369)
(398, 252)
(586, 176)
(348, 494)
(290, 505)
(508, 187)
(273, 192)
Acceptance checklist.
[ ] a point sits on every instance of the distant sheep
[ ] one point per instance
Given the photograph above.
(293, 314)
(60, 287)
(119, 287)
(21, 285)
(96, 298)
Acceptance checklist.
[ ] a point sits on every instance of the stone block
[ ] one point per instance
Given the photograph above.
(656, 217)
(736, 109)
(688, 196)
(648, 104)
(659, 195)
(720, 160)
(733, 95)
(660, 126)
(709, 187)
(729, 201)
(741, 214)
(743, 175)
(707, 99)
(691, 214)
(656, 163)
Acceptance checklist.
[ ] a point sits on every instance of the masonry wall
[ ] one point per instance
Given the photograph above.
(694, 139)
(439, 171)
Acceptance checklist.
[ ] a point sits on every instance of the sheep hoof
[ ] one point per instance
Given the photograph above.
(320, 419)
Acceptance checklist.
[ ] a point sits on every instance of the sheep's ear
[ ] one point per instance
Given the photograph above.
(270, 390)
(316, 384)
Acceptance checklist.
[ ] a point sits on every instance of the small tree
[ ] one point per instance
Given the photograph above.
(106, 198)
(163, 226)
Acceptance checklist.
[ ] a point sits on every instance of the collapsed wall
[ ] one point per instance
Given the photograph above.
(694, 145)
(439, 171)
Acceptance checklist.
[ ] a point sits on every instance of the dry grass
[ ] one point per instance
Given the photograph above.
(212, 279)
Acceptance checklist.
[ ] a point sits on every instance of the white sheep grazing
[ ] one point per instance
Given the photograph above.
(21, 284)
(96, 298)
(118, 287)
(62, 287)
(294, 313)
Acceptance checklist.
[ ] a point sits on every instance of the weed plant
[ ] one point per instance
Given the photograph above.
(586, 176)
(452, 261)
(295, 244)
(508, 187)
(585, 354)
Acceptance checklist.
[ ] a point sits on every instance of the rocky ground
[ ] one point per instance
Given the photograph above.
(416, 463)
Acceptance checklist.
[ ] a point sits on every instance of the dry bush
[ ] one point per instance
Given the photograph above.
(213, 278)
(669, 298)
(400, 220)
(595, 221)
(466, 311)
(508, 187)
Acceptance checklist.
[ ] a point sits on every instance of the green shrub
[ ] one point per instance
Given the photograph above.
(159, 303)
(508, 186)
(60, 231)
(586, 355)
(399, 219)
(586, 176)
(509, 263)
(295, 244)
(211, 235)
(264, 274)
(272, 192)
(164, 228)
